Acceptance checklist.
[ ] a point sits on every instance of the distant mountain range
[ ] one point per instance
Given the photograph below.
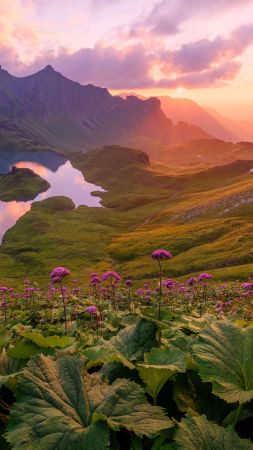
(208, 119)
(50, 110)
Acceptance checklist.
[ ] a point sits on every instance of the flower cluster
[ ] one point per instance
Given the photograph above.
(58, 273)
(91, 310)
(160, 254)
(111, 275)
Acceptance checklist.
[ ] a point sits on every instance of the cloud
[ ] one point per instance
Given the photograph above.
(26, 34)
(216, 76)
(9, 58)
(129, 68)
(103, 66)
(202, 54)
(129, 64)
(167, 16)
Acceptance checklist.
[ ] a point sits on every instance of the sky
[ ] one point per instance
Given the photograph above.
(198, 49)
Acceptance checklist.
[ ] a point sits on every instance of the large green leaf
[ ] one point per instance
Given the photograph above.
(196, 433)
(102, 354)
(9, 370)
(25, 350)
(224, 353)
(160, 365)
(128, 345)
(35, 343)
(54, 407)
(170, 336)
(59, 405)
(135, 340)
(195, 324)
(49, 341)
(125, 405)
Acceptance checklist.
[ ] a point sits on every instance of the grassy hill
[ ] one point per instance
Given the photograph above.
(21, 184)
(202, 153)
(204, 219)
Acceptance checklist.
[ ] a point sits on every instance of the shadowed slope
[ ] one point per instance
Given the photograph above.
(51, 110)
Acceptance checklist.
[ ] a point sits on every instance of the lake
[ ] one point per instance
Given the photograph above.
(58, 171)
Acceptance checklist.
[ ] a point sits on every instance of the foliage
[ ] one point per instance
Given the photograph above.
(124, 376)
(224, 354)
(60, 406)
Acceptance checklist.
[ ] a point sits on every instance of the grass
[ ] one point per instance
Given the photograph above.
(204, 219)
(21, 185)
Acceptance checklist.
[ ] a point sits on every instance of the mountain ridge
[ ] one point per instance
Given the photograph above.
(63, 114)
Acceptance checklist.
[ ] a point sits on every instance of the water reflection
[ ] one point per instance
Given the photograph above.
(63, 178)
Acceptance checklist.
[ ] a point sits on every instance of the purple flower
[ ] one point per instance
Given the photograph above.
(129, 283)
(205, 276)
(140, 291)
(30, 289)
(95, 280)
(182, 289)
(246, 286)
(160, 254)
(170, 283)
(3, 289)
(219, 305)
(53, 290)
(58, 273)
(192, 281)
(111, 275)
(76, 290)
(91, 310)
(229, 302)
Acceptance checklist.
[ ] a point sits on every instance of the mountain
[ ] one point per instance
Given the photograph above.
(203, 153)
(50, 110)
(126, 94)
(243, 128)
(208, 119)
(183, 109)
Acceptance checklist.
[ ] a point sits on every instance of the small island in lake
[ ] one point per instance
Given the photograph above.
(21, 184)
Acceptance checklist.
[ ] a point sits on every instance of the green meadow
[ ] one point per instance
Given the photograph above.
(203, 218)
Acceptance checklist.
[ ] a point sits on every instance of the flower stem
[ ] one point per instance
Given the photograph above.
(237, 415)
(64, 309)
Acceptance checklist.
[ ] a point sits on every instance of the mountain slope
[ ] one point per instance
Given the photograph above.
(50, 109)
(204, 219)
(243, 127)
(203, 153)
(183, 109)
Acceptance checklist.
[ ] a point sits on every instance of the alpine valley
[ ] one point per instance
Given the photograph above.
(164, 175)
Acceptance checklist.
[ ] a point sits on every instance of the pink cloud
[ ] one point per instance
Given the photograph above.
(216, 76)
(103, 66)
(167, 16)
(202, 54)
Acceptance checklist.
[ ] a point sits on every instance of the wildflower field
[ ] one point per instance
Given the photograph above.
(112, 363)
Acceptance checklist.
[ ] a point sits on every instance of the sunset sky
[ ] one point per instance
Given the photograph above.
(197, 49)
